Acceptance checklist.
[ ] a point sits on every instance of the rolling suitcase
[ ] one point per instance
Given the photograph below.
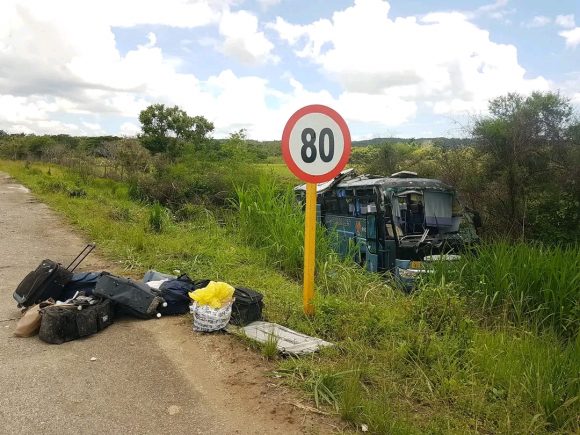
(47, 281)
(129, 296)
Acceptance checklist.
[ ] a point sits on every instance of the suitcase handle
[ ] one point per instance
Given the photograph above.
(79, 259)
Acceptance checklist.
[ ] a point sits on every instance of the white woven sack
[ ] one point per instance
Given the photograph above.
(208, 319)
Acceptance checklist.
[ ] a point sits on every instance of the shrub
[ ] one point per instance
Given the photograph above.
(189, 211)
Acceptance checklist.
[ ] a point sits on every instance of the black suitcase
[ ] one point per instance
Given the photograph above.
(47, 281)
(66, 322)
(129, 296)
(247, 306)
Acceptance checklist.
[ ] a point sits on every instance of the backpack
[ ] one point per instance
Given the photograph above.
(247, 307)
(175, 293)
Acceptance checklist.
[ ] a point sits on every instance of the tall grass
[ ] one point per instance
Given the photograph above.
(270, 218)
(522, 283)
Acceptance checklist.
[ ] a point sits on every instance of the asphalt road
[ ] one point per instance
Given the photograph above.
(149, 377)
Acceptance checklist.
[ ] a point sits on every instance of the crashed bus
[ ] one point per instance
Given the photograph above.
(397, 223)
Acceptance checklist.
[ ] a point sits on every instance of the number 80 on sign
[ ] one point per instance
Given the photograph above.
(316, 143)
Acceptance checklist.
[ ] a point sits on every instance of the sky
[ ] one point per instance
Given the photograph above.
(399, 68)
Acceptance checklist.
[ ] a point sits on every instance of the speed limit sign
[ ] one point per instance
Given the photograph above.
(316, 147)
(316, 143)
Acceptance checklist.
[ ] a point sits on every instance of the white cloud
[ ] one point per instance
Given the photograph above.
(14, 109)
(93, 126)
(242, 40)
(129, 129)
(410, 59)
(572, 37)
(538, 21)
(493, 7)
(497, 10)
(265, 4)
(60, 59)
(566, 21)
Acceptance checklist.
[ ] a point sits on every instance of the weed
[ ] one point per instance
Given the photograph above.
(270, 347)
(122, 214)
(157, 218)
(351, 397)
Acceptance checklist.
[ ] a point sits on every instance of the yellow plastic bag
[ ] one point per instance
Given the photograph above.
(215, 294)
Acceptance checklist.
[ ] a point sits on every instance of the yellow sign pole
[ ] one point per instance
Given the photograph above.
(309, 248)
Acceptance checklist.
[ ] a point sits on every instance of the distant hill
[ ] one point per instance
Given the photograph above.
(451, 142)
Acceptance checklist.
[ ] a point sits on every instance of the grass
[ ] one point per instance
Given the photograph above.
(522, 284)
(157, 217)
(270, 219)
(270, 347)
(432, 362)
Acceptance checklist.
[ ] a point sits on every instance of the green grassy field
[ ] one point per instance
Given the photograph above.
(427, 363)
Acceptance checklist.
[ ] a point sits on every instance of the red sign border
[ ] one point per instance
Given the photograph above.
(334, 115)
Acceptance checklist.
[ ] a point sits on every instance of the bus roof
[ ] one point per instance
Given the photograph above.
(348, 180)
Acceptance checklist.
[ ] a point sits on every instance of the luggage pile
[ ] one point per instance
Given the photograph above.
(61, 305)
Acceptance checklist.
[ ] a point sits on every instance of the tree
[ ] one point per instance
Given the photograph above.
(127, 156)
(236, 146)
(529, 142)
(166, 129)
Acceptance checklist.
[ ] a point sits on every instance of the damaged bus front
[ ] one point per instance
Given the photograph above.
(397, 223)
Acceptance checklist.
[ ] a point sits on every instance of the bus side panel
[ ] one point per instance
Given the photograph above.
(390, 255)
(372, 262)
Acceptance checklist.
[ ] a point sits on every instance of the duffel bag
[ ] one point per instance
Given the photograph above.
(67, 322)
(247, 307)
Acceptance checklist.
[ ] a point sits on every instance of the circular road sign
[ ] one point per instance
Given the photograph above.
(316, 143)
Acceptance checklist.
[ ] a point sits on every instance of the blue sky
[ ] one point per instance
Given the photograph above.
(398, 68)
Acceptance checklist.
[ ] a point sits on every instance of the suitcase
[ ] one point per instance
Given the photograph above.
(129, 296)
(47, 281)
(247, 307)
(81, 318)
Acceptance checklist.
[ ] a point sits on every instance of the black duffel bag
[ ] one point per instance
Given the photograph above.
(66, 322)
(247, 307)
